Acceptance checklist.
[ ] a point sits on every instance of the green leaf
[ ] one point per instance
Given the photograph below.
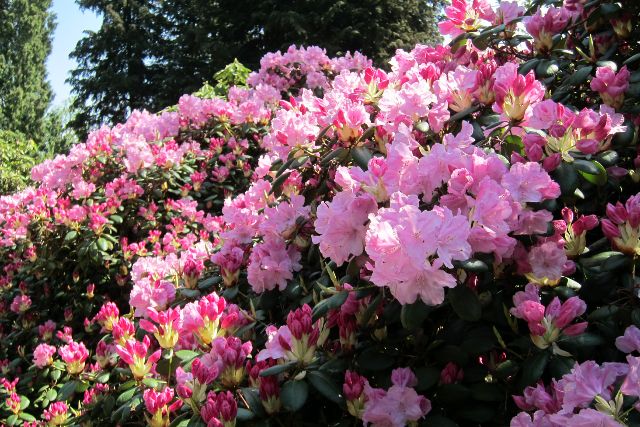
(24, 402)
(67, 390)
(103, 377)
(528, 66)
(330, 303)
(439, 421)
(559, 366)
(109, 403)
(428, 376)
(277, 369)
(580, 75)
(465, 303)
(608, 261)
(298, 162)
(294, 395)
(338, 153)
(116, 219)
(27, 417)
(252, 398)
(592, 171)
(486, 392)
(632, 59)
(375, 360)
(412, 315)
(104, 244)
(464, 113)
(244, 415)
(152, 382)
(71, 235)
(278, 182)
(472, 265)
(186, 355)
(452, 393)
(608, 158)
(533, 368)
(477, 413)
(511, 144)
(52, 394)
(126, 396)
(325, 386)
(361, 157)
(506, 369)
(583, 340)
(196, 421)
(565, 175)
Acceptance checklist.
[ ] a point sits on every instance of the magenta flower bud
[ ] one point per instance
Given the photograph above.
(532, 312)
(633, 210)
(552, 162)
(534, 152)
(269, 388)
(572, 308)
(451, 374)
(609, 229)
(203, 373)
(584, 223)
(353, 386)
(588, 146)
(617, 213)
(517, 158)
(567, 215)
(557, 130)
(184, 391)
(575, 329)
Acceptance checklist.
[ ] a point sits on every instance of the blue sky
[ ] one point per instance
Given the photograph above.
(71, 24)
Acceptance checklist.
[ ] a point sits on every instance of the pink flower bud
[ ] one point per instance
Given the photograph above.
(353, 386)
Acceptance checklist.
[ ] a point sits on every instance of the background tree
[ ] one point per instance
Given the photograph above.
(374, 27)
(149, 52)
(26, 27)
(116, 64)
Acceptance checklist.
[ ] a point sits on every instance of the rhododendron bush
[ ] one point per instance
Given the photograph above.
(451, 241)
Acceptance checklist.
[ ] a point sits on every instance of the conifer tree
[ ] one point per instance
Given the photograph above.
(26, 27)
(149, 52)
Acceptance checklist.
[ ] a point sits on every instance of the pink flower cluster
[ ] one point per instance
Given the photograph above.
(548, 324)
(591, 394)
(397, 406)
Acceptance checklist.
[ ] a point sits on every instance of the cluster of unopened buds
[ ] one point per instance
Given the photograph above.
(549, 324)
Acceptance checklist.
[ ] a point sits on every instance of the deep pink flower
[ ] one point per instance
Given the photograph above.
(220, 410)
(462, 18)
(611, 85)
(74, 354)
(515, 92)
(43, 355)
(544, 26)
(134, 353)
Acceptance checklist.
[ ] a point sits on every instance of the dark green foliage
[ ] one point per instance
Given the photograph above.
(25, 42)
(374, 27)
(149, 52)
(115, 73)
